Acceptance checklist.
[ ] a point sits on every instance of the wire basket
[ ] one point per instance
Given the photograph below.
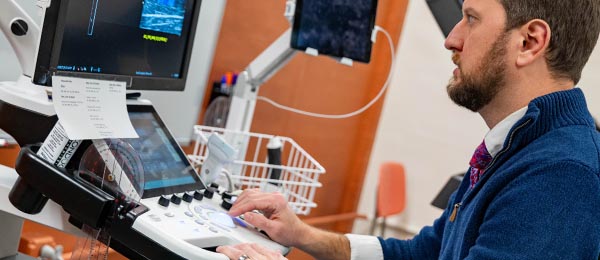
(299, 172)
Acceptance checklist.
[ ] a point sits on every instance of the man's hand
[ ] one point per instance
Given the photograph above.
(250, 251)
(278, 221)
(284, 227)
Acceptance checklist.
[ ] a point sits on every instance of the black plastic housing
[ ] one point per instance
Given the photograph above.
(86, 204)
(40, 180)
(447, 13)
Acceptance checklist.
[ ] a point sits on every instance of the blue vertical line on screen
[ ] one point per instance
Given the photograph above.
(93, 17)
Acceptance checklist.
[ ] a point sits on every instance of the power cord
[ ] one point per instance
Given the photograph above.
(359, 111)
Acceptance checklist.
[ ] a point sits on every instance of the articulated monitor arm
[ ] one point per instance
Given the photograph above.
(22, 33)
(261, 69)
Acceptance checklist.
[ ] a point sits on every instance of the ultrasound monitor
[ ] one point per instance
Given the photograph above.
(144, 43)
(339, 28)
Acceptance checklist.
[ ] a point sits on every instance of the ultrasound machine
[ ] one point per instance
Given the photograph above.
(178, 217)
(146, 44)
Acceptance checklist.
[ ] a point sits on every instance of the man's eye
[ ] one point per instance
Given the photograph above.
(470, 19)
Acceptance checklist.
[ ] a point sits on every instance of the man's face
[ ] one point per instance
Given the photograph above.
(478, 43)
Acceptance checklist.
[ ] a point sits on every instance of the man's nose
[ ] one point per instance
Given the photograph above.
(454, 42)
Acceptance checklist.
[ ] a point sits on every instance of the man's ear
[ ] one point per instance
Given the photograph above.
(535, 37)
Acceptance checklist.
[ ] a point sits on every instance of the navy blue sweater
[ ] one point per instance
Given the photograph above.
(538, 199)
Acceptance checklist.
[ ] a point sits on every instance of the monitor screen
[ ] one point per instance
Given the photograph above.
(340, 28)
(144, 43)
(166, 167)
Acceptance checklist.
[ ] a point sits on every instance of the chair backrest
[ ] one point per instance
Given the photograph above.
(391, 194)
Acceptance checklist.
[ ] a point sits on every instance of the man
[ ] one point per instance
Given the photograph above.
(533, 189)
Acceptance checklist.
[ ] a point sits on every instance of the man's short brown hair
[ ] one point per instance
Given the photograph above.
(575, 26)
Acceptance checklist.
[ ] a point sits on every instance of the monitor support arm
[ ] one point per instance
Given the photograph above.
(261, 69)
(245, 91)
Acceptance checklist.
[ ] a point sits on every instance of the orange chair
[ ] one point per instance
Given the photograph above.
(391, 193)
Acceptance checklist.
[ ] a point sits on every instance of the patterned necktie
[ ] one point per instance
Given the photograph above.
(481, 158)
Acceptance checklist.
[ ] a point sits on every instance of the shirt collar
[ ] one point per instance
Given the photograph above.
(494, 139)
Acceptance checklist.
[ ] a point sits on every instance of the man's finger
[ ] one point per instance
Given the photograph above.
(248, 193)
(269, 253)
(259, 203)
(259, 221)
(254, 254)
(230, 252)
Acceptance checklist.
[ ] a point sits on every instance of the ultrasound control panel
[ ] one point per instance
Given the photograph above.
(186, 222)
(183, 215)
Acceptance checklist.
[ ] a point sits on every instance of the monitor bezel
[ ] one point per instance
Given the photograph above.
(150, 193)
(296, 28)
(51, 36)
(447, 13)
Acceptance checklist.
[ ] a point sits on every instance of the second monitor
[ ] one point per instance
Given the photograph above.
(339, 28)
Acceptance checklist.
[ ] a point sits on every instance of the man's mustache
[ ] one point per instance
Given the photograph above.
(455, 58)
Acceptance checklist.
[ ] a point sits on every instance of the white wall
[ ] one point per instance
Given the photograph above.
(423, 129)
(179, 110)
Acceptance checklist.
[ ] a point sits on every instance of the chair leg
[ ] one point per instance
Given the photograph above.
(373, 224)
(383, 227)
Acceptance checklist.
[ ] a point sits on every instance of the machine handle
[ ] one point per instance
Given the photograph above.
(42, 180)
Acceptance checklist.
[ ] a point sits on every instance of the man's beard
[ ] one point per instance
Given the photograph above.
(475, 90)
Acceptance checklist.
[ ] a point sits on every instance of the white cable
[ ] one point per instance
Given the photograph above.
(228, 177)
(342, 116)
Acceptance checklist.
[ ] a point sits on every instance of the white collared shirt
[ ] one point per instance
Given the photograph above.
(494, 139)
(368, 247)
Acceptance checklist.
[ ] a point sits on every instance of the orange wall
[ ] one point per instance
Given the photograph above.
(314, 84)
(8, 155)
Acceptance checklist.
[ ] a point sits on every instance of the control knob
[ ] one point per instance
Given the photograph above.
(198, 195)
(226, 204)
(209, 192)
(163, 201)
(175, 199)
(187, 197)
(227, 195)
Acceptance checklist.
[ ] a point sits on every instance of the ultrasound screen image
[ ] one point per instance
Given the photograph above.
(340, 28)
(163, 16)
(126, 37)
(164, 165)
